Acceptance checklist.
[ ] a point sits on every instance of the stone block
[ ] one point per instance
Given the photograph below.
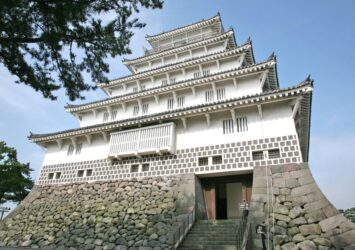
(322, 241)
(279, 182)
(261, 181)
(309, 207)
(315, 216)
(280, 209)
(332, 222)
(305, 180)
(330, 211)
(285, 191)
(316, 196)
(262, 197)
(310, 229)
(307, 245)
(343, 240)
(299, 200)
(298, 221)
(292, 183)
(298, 238)
(293, 231)
(282, 217)
(295, 212)
(289, 246)
(259, 190)
(300, 173)
(303, 190)
(350, 247)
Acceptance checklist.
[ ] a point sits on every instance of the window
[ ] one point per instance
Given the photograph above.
(145, 108)
(221, 94)
(78, 148)
(134, 168)
(50, 176)
(142, 87)
(135, 110)
(209, 97)
(242, 124)
(203, 161)
(135, 89)
(172, 80)
(114, 115)
(181, 101)
(70, 149)
(228, 126)
(145, 167)
(274, 153)
(164, 82)
(57, 175)
(197, 74)
(170, 104)
(105, 118)
(89, 172)
(217, 159)
(80, 173)
(258, 155)
(206, 72)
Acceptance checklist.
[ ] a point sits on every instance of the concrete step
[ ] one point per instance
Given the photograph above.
(200, 247)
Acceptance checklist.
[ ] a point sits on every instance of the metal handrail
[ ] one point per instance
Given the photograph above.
(184, 227)
(242, 231)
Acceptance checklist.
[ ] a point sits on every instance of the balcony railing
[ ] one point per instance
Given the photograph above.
(143, 141)
(186, 40)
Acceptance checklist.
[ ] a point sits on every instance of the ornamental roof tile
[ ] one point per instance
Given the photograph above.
(304, 87)
(202, 22)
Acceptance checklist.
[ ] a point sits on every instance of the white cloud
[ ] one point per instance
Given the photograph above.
(333, 166)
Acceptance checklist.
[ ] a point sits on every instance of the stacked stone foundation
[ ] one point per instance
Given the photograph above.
(128, 214)
(297, 215)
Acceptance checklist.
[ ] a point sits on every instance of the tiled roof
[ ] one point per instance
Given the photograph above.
(142, 93)
(300, 89)
(180, 48)
(185, 28)
(177, 65)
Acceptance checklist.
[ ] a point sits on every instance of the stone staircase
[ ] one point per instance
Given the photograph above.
(211, 235)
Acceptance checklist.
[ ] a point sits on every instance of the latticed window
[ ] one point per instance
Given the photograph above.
(134, 168)
(50, 176)
(274, 153)
(135, 89)
(57, 175)
(197, 74)
(203, 161)
(217, 159)
(70, 149)
(228, 126)
(89, 172)
(206, 72)
(221, 94)
(241, 124)
(164, 82)
(80, 173)
(78, 148)
(145, 167)
(145, 108)
(135, 110)
(172, 80)
(143, 87)
(209, 97)
(170, 104)
(105, 118)
(181, 101)
(258, 155)
(114, 115)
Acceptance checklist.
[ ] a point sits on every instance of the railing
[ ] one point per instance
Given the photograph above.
(184, 227)
(243, 231)
(149, 140)
(182, 42)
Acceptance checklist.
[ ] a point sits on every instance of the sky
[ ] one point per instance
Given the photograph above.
(314, 37)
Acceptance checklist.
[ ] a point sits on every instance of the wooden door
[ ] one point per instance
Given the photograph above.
(210, 201)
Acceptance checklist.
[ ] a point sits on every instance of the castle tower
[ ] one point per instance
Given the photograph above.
(197, 104)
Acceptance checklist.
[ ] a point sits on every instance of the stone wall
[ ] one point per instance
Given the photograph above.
(296, 213)
(132, 214)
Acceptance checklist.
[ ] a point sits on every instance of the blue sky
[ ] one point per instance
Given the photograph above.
(309, 37)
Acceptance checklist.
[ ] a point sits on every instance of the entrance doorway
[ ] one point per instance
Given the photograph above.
(224, 195)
